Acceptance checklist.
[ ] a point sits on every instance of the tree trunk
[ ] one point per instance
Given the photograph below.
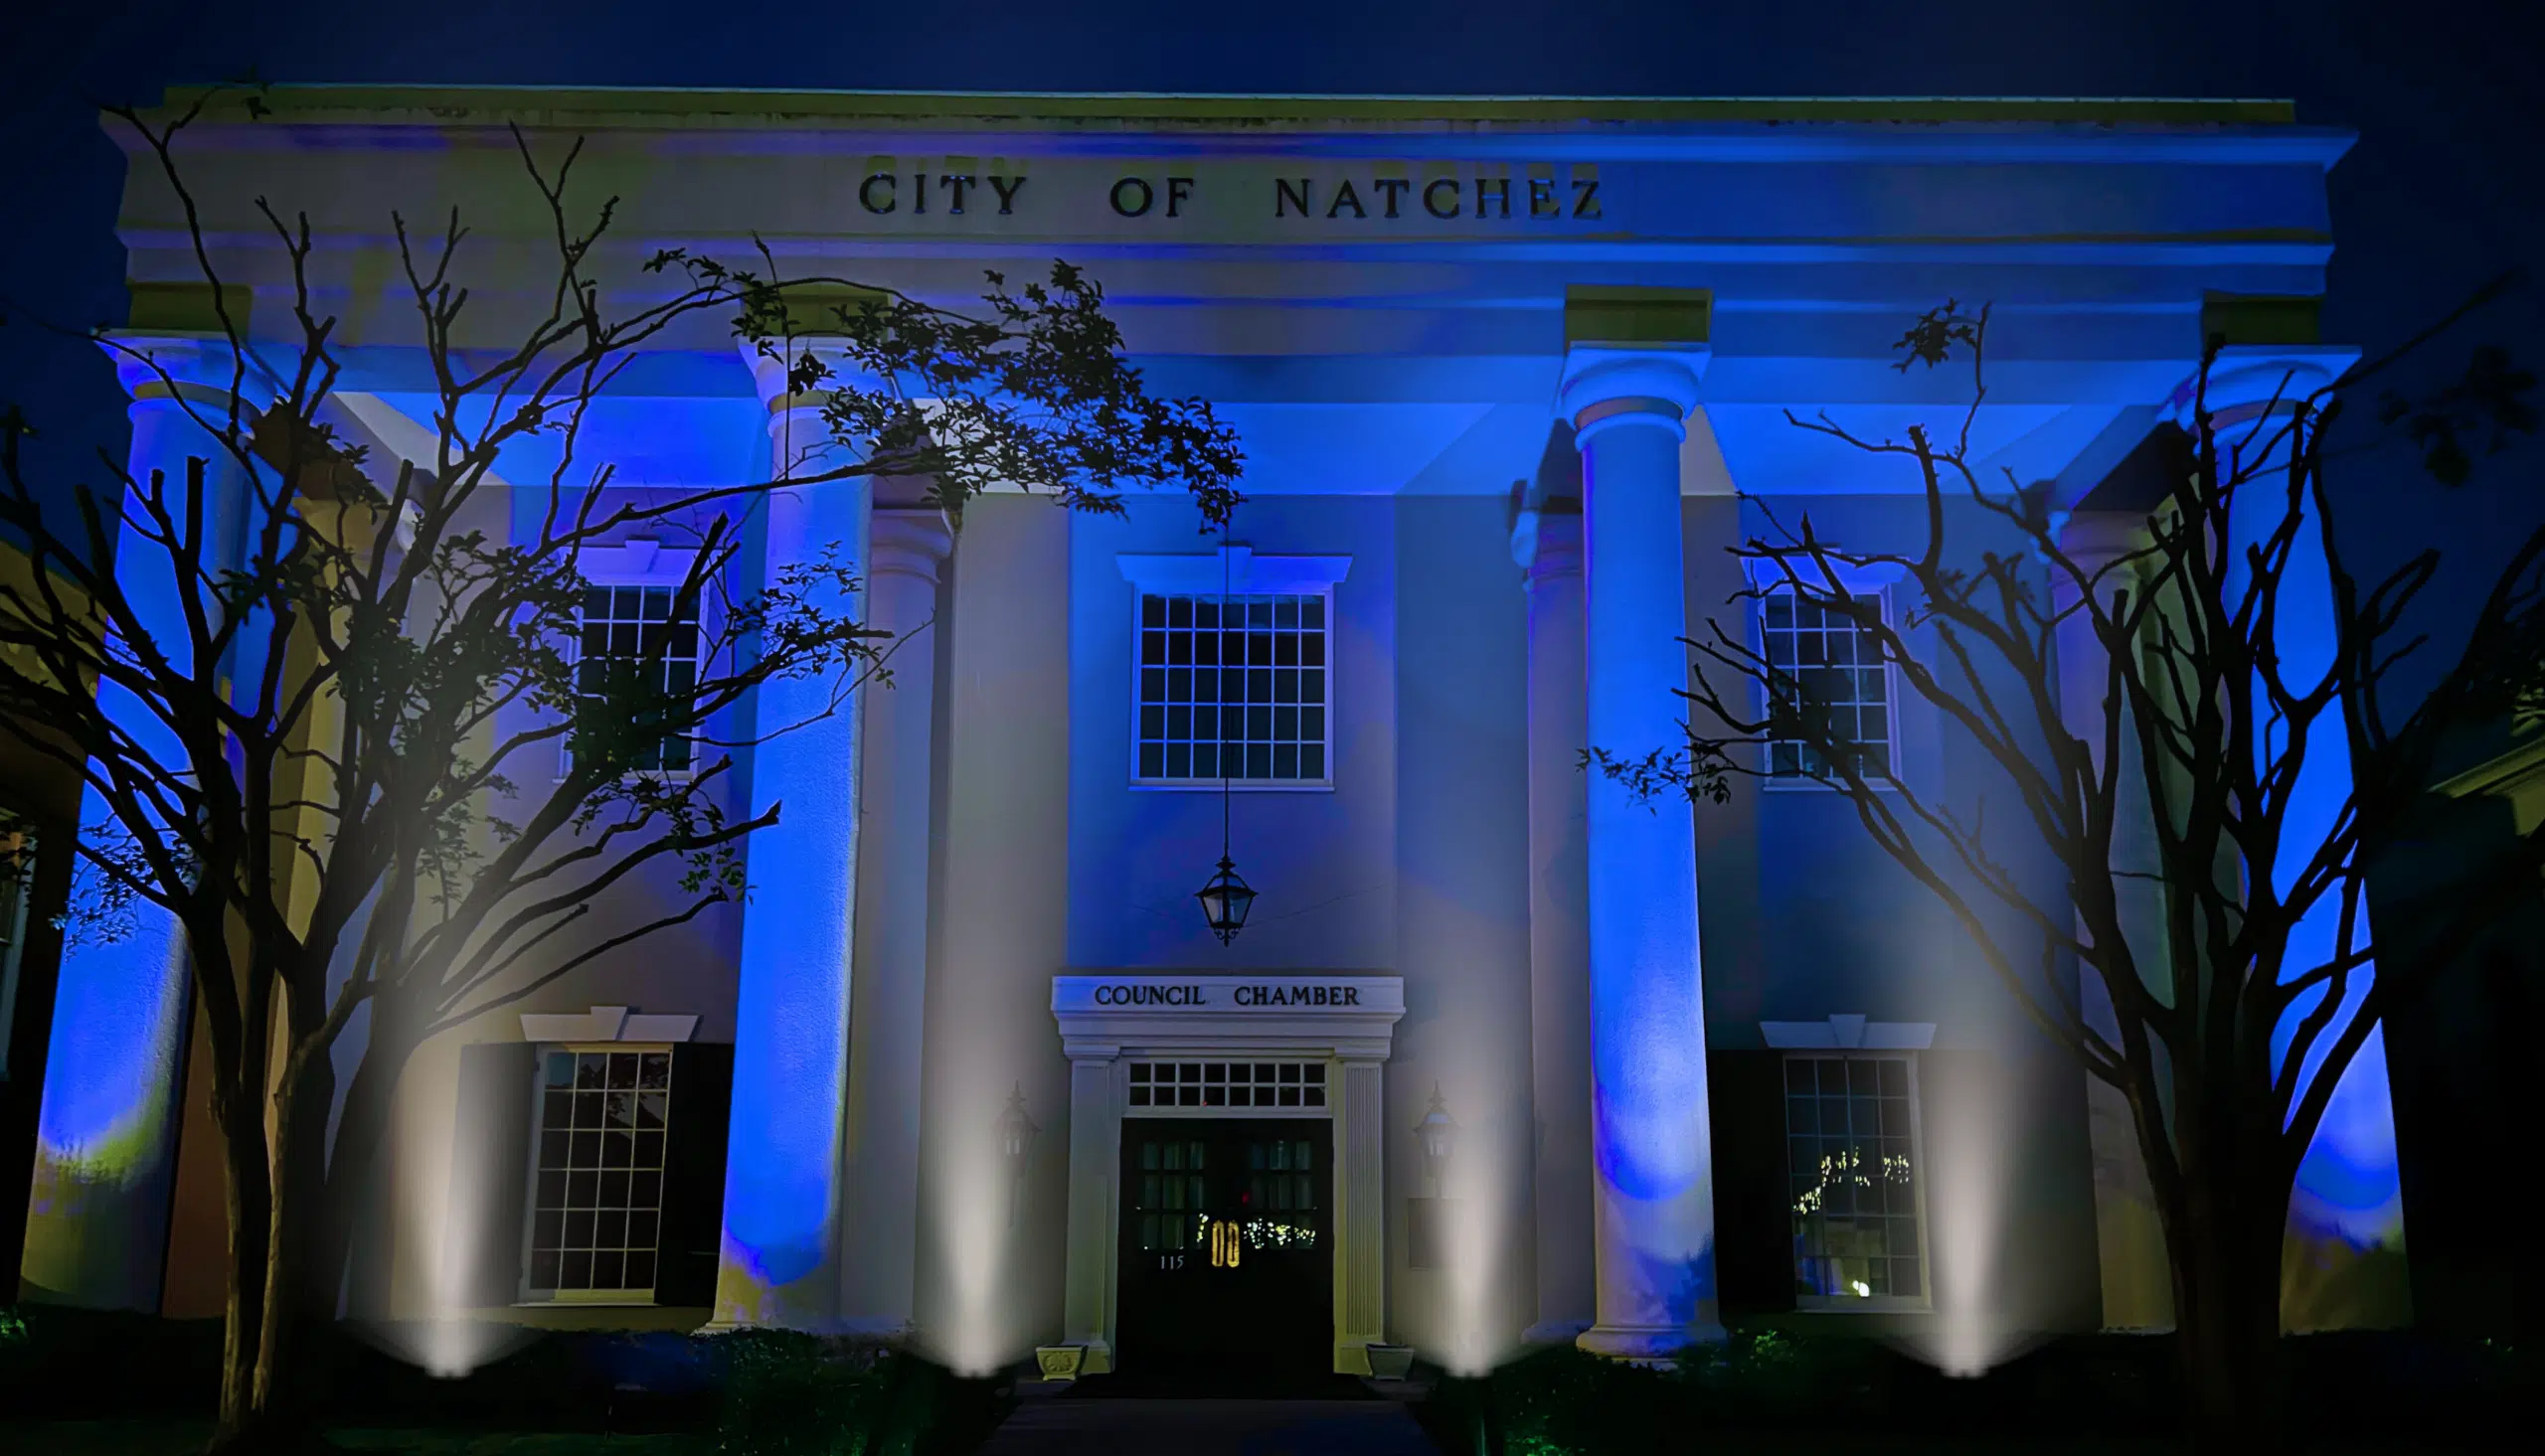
(283, 1389)
(2225, 1247)
(353, 1165)
(249, 1203)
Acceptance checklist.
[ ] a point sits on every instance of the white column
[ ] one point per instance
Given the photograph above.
(1360, 1209)
(2349, 1199)
(779, 1257)
(888, 1021)
(1653, 1179)
(1096, 1130)
(2137, 1291)
(1547, 544)
(106, 1134)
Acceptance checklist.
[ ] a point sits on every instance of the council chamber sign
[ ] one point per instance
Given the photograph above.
(1233, 995)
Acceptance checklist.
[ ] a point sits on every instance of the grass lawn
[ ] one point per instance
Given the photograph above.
(185, 1438)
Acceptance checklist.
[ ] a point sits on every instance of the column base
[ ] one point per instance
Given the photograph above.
(1554, 1332)
(1648, 1344)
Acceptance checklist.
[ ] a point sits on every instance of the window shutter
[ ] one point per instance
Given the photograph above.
(1754, 1228)
(489, 1172)
(694, 1172)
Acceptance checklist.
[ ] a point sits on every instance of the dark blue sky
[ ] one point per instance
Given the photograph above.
(2441, 192)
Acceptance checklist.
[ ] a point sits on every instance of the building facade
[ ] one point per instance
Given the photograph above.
(1501, 1054)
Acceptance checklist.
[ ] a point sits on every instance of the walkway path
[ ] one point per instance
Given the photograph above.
(1155, 1427)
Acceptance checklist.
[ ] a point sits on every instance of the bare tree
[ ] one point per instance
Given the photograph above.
(2199, 690)
(329, 751)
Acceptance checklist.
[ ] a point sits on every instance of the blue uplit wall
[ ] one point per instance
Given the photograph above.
(1324, 861)
(1804, 917)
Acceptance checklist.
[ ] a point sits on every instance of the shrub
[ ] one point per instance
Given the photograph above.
(791, 1394)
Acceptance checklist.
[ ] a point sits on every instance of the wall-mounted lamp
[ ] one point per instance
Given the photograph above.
(1015, 1145)
(1439, 1134)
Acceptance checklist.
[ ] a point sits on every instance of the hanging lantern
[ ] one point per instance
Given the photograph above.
(1224, 900)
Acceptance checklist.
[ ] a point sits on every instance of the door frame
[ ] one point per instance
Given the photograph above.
(1347, 1022)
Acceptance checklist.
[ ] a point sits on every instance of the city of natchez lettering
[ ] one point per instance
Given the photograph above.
(924, 192)
(1544, 199)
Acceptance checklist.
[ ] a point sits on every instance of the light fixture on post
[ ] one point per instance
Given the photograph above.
(1429, 1222)
(1015, 1141)
(1226, 898)
(1439, 1134)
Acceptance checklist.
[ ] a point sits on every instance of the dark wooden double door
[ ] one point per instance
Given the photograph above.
(1228, 1247)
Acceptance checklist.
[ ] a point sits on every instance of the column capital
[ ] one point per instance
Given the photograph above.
(2095, 539)
(1547, 541)
(910, 541)
(1608, 382)
(2245, 379)
(192, 367)
(768, 364)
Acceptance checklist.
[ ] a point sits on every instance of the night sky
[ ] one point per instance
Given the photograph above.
(2441, 193)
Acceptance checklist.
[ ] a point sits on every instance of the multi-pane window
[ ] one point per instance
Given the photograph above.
(595, 1224)
(637, 650)
(1234, 688)
(1852, 1163)
(1822, 662)
(1170, 1200)
(1228, 1083)
(1281, 1194)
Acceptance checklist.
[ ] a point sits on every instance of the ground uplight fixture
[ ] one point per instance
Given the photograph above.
(1439, 1134)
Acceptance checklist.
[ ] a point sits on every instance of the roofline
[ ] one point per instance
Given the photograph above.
(639, 106)
(2500, 775)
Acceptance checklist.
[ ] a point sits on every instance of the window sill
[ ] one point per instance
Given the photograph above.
(1871, 1305)
(1800, 785)
(1235, 786)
